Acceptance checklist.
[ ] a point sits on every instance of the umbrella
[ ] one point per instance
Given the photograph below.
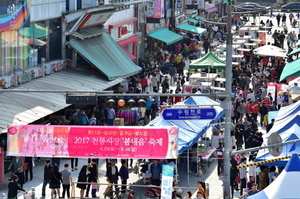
(291, 69)
(35, 42)
(298, 43)
(296, 51)
(270, 51)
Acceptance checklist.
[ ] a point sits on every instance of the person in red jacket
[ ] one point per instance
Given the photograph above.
(249, 111)
(255, 111)
(144, 84)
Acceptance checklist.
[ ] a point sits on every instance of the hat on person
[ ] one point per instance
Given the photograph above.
(113, 160)
(152, 100)
(15, 177)
(48, 161)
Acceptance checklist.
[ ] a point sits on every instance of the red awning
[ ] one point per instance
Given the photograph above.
(129, 54)
(128, 40)
(213, 9)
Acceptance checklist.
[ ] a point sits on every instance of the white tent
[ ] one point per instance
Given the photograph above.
(287, 125)
(286, 185)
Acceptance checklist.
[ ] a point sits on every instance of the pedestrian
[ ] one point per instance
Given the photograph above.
(243, 174)
(220, 159)
(111, 114)
(124, 174)
(93, 172)
(14, 187)
(29, 161)
(74, 166)
(278, 17)
(66, 181)
(291, 17)
(154, 81)
(155, 171)
(283, 20)
(82, 178)
(55, 181)
(95, 187)
(17, 163)
(112, 173)
(47, 176)
(154, 109)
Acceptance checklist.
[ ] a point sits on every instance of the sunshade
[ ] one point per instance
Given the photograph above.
(285, 186)
(192, 28)
(291, 69)
(166, 36)
(35, 31)
(270, 51)
(208, 61)
(194, 21)
(296, 51)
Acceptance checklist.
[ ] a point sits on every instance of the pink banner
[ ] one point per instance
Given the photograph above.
(281, 88)
(272, 89)
(92, 141)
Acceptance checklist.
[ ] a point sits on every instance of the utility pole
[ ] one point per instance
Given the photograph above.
(228, 107)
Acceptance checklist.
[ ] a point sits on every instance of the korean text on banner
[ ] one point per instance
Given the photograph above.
(92, 141)
(272, 89)
(167, 182)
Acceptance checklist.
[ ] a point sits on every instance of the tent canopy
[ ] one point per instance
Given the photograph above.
(166, 36)
(190, 130)
(208, 61)
(285, 186)
(191, 28)
(296, 51)
(270, 51)
(287, 125)
(290, 69)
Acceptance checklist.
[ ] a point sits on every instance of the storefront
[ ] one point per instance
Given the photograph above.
(124, 33)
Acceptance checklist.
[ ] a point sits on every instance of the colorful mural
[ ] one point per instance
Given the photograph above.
(14, 14)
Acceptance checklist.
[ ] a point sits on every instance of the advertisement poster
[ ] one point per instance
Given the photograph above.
(271, 115)
(167, 182)
(92, 141)
(14, 14)
(150, 9)
(272, 89)
(281, 88)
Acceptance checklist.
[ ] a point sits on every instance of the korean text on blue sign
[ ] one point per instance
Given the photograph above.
(189, 114)
(167, 182)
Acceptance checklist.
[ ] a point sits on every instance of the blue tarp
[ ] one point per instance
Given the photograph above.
(190, 130)
(287, 125)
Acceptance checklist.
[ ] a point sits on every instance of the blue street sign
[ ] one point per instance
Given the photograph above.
(189, 114)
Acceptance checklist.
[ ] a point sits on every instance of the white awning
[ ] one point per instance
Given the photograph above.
(26, 107)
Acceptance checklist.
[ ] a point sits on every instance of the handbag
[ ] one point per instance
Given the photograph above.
(238, 179)
(107, 190)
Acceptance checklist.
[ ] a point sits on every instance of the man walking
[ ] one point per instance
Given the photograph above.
(66, 180)
(17, 164)
(47, 176)
(112, 173)
(124, 174)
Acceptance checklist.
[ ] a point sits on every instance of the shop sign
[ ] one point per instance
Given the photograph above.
(151, 27)
(92, 141)
(179, 4)
(167, 182)
(14, 14)
(122, 30)
(168, 13)
(200, 4)
(94, 19)
(150, 8)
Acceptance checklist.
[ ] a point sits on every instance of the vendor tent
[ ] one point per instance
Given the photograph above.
(270, 51)
(190, 130)
(291, 69)
(287, 125)
(285, 186)
(208, 61)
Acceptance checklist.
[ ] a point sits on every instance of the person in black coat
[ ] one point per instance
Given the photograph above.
(82, 177)
(263, 111)
(270, 125)
(93, 172)
(14, 187)
(124, 174)
(112, 173)
(29, 162)
(55, 181)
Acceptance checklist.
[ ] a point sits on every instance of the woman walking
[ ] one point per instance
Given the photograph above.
(55, 181)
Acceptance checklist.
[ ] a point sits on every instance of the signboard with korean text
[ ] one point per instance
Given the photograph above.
(189, 114)
(150, 8)
(92, 141)
(14, 14)
(167, 182)
(179, 4)
(200, 4)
